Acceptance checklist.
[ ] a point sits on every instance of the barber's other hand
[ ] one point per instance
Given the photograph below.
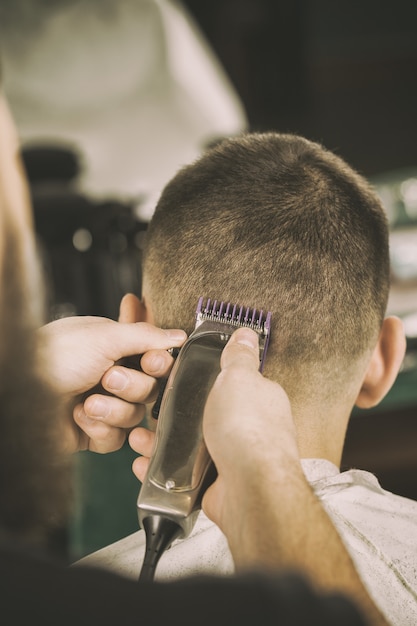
(83, 352)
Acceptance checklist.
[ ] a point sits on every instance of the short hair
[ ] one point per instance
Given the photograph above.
(277, 222)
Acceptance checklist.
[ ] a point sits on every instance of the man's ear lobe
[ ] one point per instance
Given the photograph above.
(384, 364)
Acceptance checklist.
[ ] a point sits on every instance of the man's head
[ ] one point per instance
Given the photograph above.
(276, 222)
(34, 477)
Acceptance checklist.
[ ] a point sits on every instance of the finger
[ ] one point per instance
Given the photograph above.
(212, 499)
(140, 467)
(73, 439)
(157, 363)
(242, 350)
(140, 337)
(131, 309)
(102, 437)
(130, 385)
(113, 411)
(142, 440)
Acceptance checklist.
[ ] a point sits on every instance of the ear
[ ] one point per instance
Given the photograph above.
(384, 365)
(134, 310)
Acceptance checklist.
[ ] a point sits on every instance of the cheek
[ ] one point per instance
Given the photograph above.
(18, 195)
(35, 286)
(13, 185)
(16, 214)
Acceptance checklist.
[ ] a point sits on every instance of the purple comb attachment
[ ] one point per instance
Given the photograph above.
(233, 314)
(227, 317)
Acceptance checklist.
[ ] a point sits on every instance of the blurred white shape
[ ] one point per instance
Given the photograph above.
(410, 324)
(403, 252)
(82, 239)
(204, 82)
(389, 200)
(133, 84)
(408, 190)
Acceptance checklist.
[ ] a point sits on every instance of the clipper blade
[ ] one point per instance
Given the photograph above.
(220, 315)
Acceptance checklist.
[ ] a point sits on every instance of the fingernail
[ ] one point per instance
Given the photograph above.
(116, 381)
(246, 337)
(156, 364)
(98, 408)
(176, 335)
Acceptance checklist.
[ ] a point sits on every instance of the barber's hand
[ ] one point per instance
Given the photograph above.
(248, 429)
(261, 499)
(83, 352)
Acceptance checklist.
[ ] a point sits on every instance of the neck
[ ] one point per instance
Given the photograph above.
(321, 434)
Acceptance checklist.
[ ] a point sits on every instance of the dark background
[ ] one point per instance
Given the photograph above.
(338, 71)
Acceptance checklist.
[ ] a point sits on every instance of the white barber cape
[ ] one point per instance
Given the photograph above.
(378, 528)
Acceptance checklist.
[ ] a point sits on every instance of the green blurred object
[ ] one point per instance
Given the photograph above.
(106, 491)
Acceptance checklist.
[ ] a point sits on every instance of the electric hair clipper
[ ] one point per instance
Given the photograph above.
(180, 468)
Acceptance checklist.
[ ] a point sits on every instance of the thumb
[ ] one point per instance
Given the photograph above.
(242, 350)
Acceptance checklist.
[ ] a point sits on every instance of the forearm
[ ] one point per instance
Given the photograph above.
(261, 499)
(292, 531)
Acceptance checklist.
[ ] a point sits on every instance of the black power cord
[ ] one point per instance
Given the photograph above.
(160, 533)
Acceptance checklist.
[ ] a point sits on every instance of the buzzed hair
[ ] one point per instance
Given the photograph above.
(274, 221)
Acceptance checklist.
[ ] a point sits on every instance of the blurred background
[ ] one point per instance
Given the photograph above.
(111, 97)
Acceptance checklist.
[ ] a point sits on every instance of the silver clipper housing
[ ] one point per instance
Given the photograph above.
(180, 469)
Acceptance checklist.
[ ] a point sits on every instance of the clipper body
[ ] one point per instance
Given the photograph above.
(180, 468)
